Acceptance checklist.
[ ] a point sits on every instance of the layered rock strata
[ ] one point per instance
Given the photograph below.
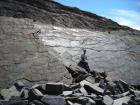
(24, 57)
(117, 53)
(50, 12)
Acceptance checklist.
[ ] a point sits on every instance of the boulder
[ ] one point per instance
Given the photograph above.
(40, 87)
(80, 77)
(92, 88)
(135, 92)
(67, 93)
(74, 86)
(78, 69)
(14, 102)
(122, 100)
(124, 85)
(70, 103)
(19, 85)
(35, 94)
(107, 100)
(81, 101)
(86, 101)
(90, 79)
(120, 95)
(82, 83)
(9, 93)
(111, 87)
(36, 102)
(78, 94)
(54, 88)
(99, 101)
(25, 93)
(83, 91)
(53, 100)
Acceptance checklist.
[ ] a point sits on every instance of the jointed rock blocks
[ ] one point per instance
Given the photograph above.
(23, 53)
(81, 93)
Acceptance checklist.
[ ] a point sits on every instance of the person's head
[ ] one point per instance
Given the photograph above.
(84, 51)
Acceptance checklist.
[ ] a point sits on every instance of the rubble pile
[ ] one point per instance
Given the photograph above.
(86, 89)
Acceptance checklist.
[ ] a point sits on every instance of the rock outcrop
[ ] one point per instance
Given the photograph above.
(50, 12)
(117, 53)
(24, 57)
(39, 37)
(99, 91)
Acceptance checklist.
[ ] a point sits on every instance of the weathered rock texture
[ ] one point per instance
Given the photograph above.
(117, 53)
(23, 56)
(36, 57)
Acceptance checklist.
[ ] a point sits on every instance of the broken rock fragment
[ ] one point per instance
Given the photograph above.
(83, 91)
(35, 94)
(107, 100)
(53, 100)
(91, 88)
(36, 102)
(19, 85)
(54, 88)
(9, 93)
(14, 102)
(122, 100)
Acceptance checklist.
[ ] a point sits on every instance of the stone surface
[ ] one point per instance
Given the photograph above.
(43, 49)
(35, 94)
(53, 100)
(107, 100)
(93, 89)
(121, 100)
(25, 58)
(116, 53)
(14, 102)
(35, 52)
(54, 88)
(19, 85)
(9, 93)
(83, 93)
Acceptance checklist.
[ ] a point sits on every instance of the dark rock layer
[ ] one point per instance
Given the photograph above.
(50, 12)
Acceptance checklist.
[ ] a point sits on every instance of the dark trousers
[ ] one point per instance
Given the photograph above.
(84, 65)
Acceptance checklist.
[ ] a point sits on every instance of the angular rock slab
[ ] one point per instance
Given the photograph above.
(14, 102)
(53, 100)
(107, 100)
(120, 101)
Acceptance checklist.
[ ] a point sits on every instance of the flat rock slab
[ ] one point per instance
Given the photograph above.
(53, 100)
(121, 100)
(91, 88)
(107, 100)
(14, 102)
(54, 88)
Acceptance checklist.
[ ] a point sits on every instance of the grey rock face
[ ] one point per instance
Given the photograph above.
(32, 57)
(116, 53)
(82, 93)
(23, 57)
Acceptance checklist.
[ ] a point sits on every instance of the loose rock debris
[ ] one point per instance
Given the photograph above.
(86, 89)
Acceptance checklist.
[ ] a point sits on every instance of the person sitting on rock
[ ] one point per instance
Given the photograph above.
(83, 62)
